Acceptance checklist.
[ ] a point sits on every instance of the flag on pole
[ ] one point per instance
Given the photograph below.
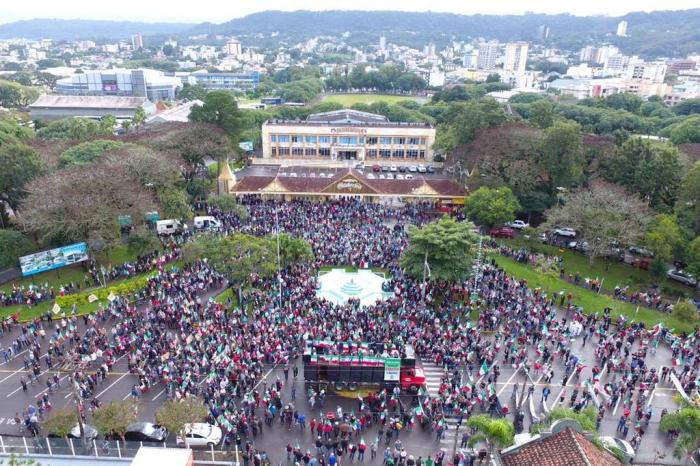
(56, 308)
(111, 296)
(540, 349)
(483, 369)
(92, 298)
(545, 330)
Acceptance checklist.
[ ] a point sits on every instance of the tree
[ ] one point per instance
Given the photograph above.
(142, 241)
(692, 253)
(542, 113)
(139, 117)
(126, 126)
(561, 157)
(115, 417)
(221, 109)
(601, 214)
(60, 422)
(664, 237)
(685, 311)
(80, 129)
(228, 203)
(20, 164)
(688, 204)
(499, 433)
(685, 422)
(448, 247)
(107, 124)
(175, 414)
(587, 418)
(192, 92)
(14, 244)
(87, 152)
(174, 203)
(293, 250)
(491, 206)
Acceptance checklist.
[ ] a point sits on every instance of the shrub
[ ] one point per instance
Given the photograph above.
(14, 244)
(685, 311)
(122, 289)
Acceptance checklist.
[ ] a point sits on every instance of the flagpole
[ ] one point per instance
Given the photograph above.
(425, 269)
(279, 266)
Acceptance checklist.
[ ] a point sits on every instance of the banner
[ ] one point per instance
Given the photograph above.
(92, 298)
(53, 259)
(392, 369)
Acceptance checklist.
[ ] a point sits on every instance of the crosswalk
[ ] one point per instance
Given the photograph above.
(433, 377)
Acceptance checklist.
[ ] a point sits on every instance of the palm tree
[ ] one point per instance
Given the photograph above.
(495, 432)
(686, 423)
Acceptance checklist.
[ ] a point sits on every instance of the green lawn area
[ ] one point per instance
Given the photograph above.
(590, 301)
(348, 100)
(613, 273)
(351, 268)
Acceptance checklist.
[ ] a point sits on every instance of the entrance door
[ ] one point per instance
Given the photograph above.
(347, 154)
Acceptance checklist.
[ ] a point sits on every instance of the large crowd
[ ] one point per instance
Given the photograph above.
(178, 337)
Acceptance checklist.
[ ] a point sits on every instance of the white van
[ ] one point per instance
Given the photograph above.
(206, 222)
(168, 227)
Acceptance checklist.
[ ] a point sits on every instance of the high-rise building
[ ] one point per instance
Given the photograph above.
(588, 53)
(516, 57)
(137, 41)
(543, 32)
(489, 52)
(622, 29)
(429, 50)
(382, 43)
(604, 52)
(233, 47)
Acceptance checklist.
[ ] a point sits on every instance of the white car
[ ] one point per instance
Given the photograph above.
(412, 168)
(371, 176)
(614, 442)
(201, 434)
(421, 168)
(683, 277)
(518, 224)
(568, 232)
(394, 168)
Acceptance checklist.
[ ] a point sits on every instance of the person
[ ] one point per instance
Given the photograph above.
(545, 393)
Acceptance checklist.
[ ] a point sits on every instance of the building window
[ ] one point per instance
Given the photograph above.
(348, 140)
(324, 151)
(422, 141)
(334, 140)
(362, 140)
(273, 151)
(372, 141)
(310, 151)
(422, 154)
(372, 153)
(273, 138)
(412, 153)
(385, 141)
(399, 140)
(386, 153)
(310, 139)
(414, 141)
(398, 153)
(297, 151)
(324, 139)
(295, 138)
(284, 150)
(283, 138)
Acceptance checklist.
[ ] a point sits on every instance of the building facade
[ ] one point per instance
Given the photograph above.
(489, 52)
(56, 107)
(348, 135)
(228, 81)
(141, 82)
(515, 58)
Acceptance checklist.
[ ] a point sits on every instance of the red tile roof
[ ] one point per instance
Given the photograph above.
(566, 448)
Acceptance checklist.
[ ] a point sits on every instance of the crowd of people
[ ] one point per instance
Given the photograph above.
(178, 338)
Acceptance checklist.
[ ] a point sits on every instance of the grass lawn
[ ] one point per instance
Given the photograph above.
(351, 268)
(613, 273)
(348, 100)
(590, 301)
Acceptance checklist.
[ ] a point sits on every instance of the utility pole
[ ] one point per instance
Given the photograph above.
(426, 272)
(78, 403)
(279, 264)
(454, 446)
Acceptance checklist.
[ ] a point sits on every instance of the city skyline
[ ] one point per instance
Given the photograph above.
(222, 11)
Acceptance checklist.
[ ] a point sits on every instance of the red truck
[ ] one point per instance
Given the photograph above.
(349, 366)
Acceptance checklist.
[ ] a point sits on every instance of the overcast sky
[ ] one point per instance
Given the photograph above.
(218, 11)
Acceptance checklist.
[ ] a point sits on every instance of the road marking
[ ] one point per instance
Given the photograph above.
(110, 386)
(263, 378)
(568, 381)
(13, 374)
(158, 395)
(507, 382)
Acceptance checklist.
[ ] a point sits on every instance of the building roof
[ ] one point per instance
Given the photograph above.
(347, 116)
(565, 448)
(80, 101)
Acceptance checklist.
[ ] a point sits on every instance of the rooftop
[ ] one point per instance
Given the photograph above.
(80, 101)
(348, 117)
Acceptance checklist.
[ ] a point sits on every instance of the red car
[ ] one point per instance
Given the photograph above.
(502, 232)
(376, 168)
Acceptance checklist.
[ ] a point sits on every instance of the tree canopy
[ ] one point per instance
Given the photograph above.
(491, 206)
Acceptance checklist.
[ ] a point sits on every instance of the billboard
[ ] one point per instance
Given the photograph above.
(53, 259)
(246, 146)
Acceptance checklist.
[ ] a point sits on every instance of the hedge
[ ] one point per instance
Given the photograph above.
(122, 289)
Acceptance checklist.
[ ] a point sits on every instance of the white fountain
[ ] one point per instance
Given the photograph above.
(338, 285)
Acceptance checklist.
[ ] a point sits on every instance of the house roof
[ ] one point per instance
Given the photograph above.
(92, 101)
(565, 448)
(347, 116)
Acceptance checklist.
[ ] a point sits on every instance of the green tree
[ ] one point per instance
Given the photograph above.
(14, 244)
(491, 206)
(115, 417)
(87, 153)
(107, 124)
(192, 92)
(542, 113)
(602, 214)
(685, 422)
(664, 237)
(447, 246)
(497, 433)
(80, 129)
(221, 109)
(60, 422)
(687, 131)
(174, 203)
(142, 241)
(686, 311)
(688, 204)
(228, 203)
(692, 253)
(139, 117)
(20, 163)
(561, 156)
(175, 414)
(293, 250)
(587, 418)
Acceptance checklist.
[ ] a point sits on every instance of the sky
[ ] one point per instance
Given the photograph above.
(219, 11)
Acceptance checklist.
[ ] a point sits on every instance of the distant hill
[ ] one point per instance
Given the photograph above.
(670, 33)
(73, 29)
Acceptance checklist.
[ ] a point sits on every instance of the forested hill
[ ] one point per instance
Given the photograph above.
(668, 33)
(73, 29)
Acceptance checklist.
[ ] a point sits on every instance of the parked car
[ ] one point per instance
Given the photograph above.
(399, 176)
(421, 168)
(385, 169)
(394, 168)
(402, 168)
(567, 232)
(145, 432)
(201, 434)
(376, 168)
(91, 432)
(623, 445)
(412, 168)
(518, 224)
(682, 277)
(430, 169)
(371, 176)
(360, 166)
(502, 232)
(580, 246)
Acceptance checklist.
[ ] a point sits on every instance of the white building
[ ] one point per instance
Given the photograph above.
(141, 82)
(622, 29)
(580, 71)
(233, 47)
(515, 58)
(137, 41)
(648, 71)
(470, 59)
(489, 53)
(382, 43)
(616, 63)
(436, 78)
